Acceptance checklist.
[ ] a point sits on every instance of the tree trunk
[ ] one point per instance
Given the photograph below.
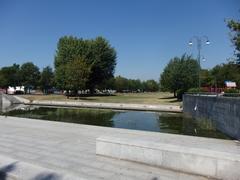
(174, 93)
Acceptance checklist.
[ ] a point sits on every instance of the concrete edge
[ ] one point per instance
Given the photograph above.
(197, 161)
(116, 106)
(170, 147)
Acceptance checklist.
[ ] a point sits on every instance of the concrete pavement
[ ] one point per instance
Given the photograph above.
(66, 148)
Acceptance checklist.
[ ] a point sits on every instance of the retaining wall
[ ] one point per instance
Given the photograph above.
(224, 112)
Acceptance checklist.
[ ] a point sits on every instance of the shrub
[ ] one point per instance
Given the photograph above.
(231, 91)
(180, 93)
(195, 90)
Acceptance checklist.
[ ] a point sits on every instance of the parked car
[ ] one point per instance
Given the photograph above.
(15, 90)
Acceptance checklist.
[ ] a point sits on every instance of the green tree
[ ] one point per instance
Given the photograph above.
(107, 84)
(135, 85)
(226, 72)
(121, 84)
(235, 37)
(46, 79)
(77, 73)
(9, 76)
(151, 86)
(179, 74)
(97, 54)
(207, 80)
(30, 75)
(103, 62)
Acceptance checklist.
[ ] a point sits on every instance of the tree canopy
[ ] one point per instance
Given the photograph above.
(47, 79)
(98, 56)
(30, 75)
(77, 74)
(235, 37)
(180, 73)
(225, 72)
(9, 76)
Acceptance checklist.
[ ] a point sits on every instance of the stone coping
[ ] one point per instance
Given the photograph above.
(120, 106)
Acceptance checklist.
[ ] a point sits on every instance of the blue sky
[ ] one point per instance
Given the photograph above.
(145, 33)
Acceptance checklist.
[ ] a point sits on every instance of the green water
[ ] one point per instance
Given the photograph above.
(138, 120)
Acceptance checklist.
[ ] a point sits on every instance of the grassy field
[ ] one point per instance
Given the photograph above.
(135, 98)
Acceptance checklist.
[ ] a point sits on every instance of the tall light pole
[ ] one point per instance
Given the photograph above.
(199, 41)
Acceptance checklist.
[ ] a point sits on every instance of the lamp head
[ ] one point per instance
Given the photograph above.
(190, 43)
(207, 42)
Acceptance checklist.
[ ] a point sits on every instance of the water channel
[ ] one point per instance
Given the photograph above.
(175, 123)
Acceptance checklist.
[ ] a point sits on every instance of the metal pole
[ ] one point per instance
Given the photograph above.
(199, 62)
(199, 47)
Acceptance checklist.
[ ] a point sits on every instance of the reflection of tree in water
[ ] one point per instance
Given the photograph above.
(169, 123)
(179, 124)
(81, 116)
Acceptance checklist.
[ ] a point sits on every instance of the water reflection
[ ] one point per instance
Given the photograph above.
(138, 120)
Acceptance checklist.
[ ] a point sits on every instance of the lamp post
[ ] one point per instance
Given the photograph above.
(199, 41)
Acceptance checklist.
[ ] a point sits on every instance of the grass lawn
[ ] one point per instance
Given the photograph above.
(134, 98)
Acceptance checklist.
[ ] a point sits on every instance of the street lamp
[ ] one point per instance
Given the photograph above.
(199, 41)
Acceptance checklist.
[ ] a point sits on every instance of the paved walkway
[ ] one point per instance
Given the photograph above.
(70, 149)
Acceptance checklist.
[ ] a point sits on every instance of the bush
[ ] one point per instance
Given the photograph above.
(180, 93)
(231, 91)
(195, 90)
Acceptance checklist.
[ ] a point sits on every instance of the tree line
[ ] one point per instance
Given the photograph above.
(27, 75)
(122, 84)
(181, 75)
(80, 64)
(30, 76)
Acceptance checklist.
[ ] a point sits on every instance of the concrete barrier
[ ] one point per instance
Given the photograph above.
(202, 156)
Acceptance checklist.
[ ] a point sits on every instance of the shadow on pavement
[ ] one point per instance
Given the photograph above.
(47, 176)
(6, 169)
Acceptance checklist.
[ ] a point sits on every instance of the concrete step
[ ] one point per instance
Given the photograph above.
(213, 158)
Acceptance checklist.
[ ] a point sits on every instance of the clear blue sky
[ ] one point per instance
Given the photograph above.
(145, 33)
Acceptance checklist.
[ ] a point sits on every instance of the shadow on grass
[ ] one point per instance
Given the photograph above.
(85, 98)
(170, 97)
(174, 101)
(7, 169)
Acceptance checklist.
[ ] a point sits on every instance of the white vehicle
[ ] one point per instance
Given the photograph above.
(15, 90)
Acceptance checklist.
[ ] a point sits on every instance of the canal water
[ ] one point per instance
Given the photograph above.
(174, 123)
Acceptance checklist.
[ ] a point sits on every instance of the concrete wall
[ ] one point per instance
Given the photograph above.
(8, 102)
(224, 112)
